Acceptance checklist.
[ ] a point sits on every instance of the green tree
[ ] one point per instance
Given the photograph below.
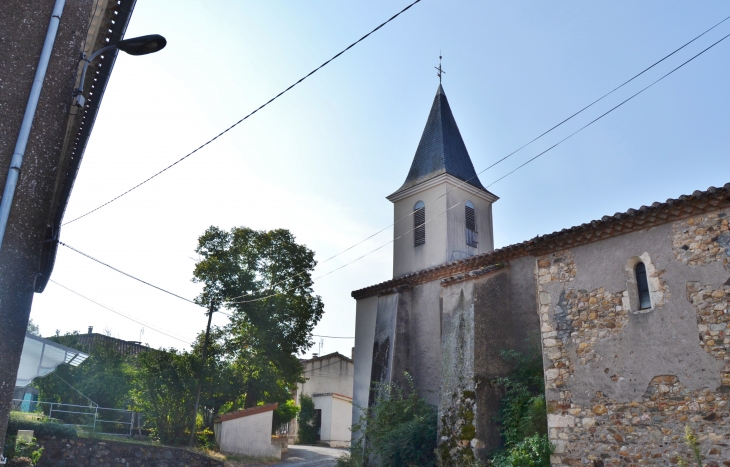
(307, 433)
(164, 390)
(264, 279)
(33, 328)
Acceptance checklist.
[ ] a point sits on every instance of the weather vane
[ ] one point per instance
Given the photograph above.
(438, 68)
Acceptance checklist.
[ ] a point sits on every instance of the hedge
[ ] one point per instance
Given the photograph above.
(40, 427)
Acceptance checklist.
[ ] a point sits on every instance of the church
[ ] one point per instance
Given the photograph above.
(629, 311)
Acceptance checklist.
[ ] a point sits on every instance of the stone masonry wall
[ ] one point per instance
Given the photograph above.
(85, 452)
(598, 413)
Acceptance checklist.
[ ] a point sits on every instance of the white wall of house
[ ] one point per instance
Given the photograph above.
(248, 435)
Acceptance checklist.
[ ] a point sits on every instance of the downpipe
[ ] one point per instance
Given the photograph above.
(30, 109)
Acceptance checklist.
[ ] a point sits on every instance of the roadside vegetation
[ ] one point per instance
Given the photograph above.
(262, 279)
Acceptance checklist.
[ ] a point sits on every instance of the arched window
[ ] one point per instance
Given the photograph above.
(471, 224)
(419, 223)
(643, 285)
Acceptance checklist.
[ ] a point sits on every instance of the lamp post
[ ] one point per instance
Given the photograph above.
(142, 45)
(136, 46)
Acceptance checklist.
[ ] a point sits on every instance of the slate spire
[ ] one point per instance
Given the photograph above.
(441, 150)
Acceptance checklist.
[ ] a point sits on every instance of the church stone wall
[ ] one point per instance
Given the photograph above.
(621, 383)
(492, 311)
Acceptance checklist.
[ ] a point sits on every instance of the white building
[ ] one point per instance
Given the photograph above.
(329, 380)
(247, 432)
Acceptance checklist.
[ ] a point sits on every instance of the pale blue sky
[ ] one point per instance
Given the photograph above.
(321, 160)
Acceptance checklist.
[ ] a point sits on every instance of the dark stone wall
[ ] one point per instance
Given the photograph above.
(83, 452)
(505, 318)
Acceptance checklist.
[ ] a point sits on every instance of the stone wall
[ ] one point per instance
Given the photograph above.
(86, 452)
(622, 383)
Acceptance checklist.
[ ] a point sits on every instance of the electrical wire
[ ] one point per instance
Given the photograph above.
(121, 314)
(608, 112)
(244, 118)
(127, 274)
(513, 152)
(334, 337)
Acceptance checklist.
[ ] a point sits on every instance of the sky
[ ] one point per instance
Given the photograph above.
(321, 159)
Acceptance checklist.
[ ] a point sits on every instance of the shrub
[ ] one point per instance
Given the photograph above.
(398, 430)
(307, 431)
(40, 427)
(523, 414)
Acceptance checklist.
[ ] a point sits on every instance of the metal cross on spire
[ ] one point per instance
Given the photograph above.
(438, 68)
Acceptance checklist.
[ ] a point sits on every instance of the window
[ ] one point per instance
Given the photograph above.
(419, 223)
(643, 285)
(471, 224)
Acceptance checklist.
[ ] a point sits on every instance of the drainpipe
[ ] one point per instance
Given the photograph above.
(30, 108)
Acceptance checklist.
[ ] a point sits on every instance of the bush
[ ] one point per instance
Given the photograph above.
(42, 427)
(399, 430)
(307, 431)
(523, 414)
(530, 452)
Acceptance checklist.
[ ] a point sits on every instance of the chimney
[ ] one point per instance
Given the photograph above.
(91, 329)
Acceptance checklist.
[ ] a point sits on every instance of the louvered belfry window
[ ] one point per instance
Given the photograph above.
(471, 224)
(419, 223)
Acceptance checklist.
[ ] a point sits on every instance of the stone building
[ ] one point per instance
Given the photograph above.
(630, 312)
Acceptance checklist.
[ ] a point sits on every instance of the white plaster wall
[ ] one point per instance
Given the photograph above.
(406, 257)
(341, 422)
(249, 436)
(324, 403)
(445, 228)
(366, 311)
(328, 375)
(456, 224)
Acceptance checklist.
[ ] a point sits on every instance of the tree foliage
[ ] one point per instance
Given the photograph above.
(307, 433)
(264, 278)
(523, 413)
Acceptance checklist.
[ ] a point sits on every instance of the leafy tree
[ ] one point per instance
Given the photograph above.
(34, 328)
(284, 414)
(307, 431)
(164, 390)
(264, 278)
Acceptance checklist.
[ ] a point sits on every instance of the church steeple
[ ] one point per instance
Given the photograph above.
(441, 149)
(442, 212)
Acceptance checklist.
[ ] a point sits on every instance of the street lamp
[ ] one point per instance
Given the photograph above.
(142, 45)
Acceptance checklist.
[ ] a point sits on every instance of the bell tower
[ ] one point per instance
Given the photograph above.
(442, 212)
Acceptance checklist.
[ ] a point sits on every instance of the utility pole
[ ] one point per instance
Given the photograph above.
(201, 374)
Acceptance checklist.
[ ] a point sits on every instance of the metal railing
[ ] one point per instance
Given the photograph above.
(102, 420)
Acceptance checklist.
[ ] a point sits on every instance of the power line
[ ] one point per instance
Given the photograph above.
(609, 111)
(246, 117)
(69, 385)
(334, 337)
(120, 314)
(513, 152)
(127, 274)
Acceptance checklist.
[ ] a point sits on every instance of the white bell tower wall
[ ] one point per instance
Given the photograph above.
(445, 227)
